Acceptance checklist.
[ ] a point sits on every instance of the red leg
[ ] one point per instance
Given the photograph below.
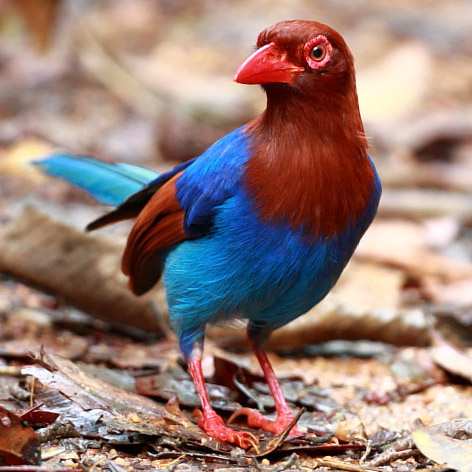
(209, 421)
(284, 415)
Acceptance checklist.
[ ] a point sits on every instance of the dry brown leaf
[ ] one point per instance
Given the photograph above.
(83, 269)
(450, 357)
(458, 293)
(117, 412)
(442, 449)
(18, 442)
(333, 319)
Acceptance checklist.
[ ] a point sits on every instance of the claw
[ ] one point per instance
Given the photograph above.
(246, 440)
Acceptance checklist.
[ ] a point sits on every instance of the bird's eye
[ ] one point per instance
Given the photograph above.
(318, 53)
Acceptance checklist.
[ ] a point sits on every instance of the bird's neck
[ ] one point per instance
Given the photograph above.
(329, 116)
(309, 164)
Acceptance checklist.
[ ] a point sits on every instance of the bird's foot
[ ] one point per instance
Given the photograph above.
(258, 420)
(214, 426)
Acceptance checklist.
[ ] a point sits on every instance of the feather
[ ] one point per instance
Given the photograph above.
(158, 226)
(213, 179)
(108, 183)
(181, 208)
(131, 207)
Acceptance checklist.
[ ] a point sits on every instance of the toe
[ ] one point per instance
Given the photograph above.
(215, 427)
(257, 420)
(248, 412)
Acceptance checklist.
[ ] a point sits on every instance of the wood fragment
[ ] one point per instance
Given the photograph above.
(81, 268)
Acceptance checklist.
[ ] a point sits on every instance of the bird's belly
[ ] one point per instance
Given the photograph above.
(250, 269)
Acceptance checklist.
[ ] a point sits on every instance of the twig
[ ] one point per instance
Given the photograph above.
(344, 466)
(31, 398)
(244, 389)
(288, 463)
(390, 456)
(273, 443)
(175, 463)
(368, 449)
(401, 448)
(57, 431)
(11, 370)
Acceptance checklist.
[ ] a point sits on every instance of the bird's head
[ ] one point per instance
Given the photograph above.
(306, 56)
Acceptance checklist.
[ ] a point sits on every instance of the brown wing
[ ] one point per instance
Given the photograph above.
(158, 226)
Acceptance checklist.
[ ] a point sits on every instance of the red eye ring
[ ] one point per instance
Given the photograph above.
(312, 52)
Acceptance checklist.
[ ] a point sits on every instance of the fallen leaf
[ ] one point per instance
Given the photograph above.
(112, 406)
(98, 408)
(457, 429)
(456, 293)
(408, 249)
(19, 444)
(370, 286)
(442, 449)
(36, 416)
(54, 256)
(351, 430)
(450, 358)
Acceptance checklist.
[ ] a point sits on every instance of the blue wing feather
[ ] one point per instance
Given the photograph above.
(108, 183)
(211, 180)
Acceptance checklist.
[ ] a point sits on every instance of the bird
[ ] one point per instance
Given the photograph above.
(260, 226)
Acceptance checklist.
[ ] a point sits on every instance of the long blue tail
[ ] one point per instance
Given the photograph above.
(108, 183)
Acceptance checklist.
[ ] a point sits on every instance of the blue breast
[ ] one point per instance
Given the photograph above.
(249, 269)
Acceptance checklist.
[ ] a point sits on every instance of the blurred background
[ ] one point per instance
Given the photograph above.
(150, 82)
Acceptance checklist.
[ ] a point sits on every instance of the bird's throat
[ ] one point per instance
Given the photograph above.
(309, 166)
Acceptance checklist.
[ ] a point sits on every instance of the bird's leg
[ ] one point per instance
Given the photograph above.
(208, 420)
(284, 415)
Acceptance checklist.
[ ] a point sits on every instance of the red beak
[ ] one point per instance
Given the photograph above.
(267, 64)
